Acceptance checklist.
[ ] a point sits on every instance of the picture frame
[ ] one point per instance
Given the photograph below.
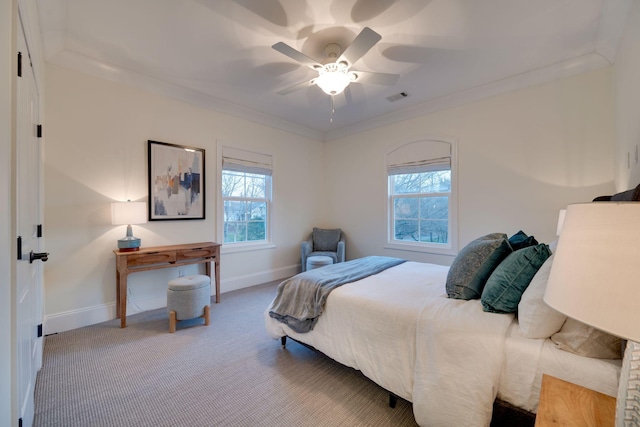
(176, 181)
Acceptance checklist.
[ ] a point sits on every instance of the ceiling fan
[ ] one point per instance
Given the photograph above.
(334, 74)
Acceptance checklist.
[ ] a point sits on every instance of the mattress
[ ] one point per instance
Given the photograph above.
(528, 359)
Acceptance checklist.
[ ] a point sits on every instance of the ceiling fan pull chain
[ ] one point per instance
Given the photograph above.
(333, 110)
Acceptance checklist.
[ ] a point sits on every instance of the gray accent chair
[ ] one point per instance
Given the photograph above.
(323, 242)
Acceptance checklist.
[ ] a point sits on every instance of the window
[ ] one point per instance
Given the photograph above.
(421, 201)
(246, 196)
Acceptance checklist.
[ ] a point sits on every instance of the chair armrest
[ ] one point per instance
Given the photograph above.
(341, 251)
(306, 247)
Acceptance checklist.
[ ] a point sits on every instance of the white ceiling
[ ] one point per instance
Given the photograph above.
(217, 53)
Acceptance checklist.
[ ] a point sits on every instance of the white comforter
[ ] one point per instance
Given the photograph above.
(400, 330)
(460, 357)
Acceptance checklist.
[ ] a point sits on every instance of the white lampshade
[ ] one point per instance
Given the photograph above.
(127, 213)
(561, 215)
(595, 277)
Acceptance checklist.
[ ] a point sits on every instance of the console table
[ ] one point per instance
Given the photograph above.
(156, 257)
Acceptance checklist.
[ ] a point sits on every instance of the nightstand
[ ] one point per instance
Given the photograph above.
(566, 404)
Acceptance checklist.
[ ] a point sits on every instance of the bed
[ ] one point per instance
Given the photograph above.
(448, 356)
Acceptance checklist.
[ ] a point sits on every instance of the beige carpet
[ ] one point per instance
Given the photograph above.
(227, 374)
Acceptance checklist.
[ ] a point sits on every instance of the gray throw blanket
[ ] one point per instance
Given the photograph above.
(300, 299)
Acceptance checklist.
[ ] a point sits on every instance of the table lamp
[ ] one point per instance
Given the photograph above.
(595, 279)
(127, 213)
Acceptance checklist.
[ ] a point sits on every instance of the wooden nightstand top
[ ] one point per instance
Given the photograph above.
(565, 404)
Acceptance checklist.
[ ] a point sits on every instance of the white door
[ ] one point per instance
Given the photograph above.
(29, 271)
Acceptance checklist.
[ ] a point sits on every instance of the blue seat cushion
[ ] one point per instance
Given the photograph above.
(331, 255)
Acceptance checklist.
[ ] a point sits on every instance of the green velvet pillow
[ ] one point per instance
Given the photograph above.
(474, 264)
(510, 279)
(521, 240)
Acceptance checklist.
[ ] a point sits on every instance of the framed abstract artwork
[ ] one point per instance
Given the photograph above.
(176, 182)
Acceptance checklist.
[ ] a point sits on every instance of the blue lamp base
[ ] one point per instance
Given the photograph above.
(129, 243)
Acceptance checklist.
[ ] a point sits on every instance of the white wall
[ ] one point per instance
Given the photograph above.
(627, 103)
(523, 156)
(96, 139)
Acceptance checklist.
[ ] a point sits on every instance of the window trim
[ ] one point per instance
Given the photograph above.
(234, 247)
(452, 247)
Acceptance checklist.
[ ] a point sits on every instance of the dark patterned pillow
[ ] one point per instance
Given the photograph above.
(326, 240)
(474, 264)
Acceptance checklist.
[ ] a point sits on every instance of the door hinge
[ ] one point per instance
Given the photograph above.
(19, 247)
(40, 330)
(39, 131)
(39, 231)
(19, 64)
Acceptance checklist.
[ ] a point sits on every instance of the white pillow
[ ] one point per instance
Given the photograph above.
(536, 318)
(583, 340)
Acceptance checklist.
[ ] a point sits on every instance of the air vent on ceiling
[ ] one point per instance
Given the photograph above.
(397, 96)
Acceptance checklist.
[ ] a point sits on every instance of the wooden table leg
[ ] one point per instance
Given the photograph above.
(218, 279)
(216, 268)
(117, 295)
(123, 301)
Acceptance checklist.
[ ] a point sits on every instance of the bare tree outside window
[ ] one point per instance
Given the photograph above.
(421, 206)
(245, 199)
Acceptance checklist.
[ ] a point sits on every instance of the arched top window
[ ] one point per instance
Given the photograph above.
(422, 197)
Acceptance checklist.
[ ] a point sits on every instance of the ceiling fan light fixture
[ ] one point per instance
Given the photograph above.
(333, 78)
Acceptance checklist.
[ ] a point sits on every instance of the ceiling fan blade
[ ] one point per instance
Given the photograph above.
(296, 55)
(347, 95)
(296, 87)
(376, 78)
(360, 45)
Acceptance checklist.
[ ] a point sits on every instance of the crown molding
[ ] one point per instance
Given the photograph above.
(571, 67)
(562, 69)
(82, 63)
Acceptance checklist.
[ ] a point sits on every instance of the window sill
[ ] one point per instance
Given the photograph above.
(232, 248)
(420, 248)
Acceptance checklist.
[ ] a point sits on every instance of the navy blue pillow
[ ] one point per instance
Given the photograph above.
(521, 240)
(510, 279)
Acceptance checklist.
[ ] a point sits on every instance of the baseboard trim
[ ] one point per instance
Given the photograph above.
(240, 282)
(73, 319)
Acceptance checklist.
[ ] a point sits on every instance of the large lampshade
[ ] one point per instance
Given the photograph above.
(127, 213)
(595, 277)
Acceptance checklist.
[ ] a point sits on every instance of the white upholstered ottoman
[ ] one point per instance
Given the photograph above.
(188, 297)
(318, 261)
